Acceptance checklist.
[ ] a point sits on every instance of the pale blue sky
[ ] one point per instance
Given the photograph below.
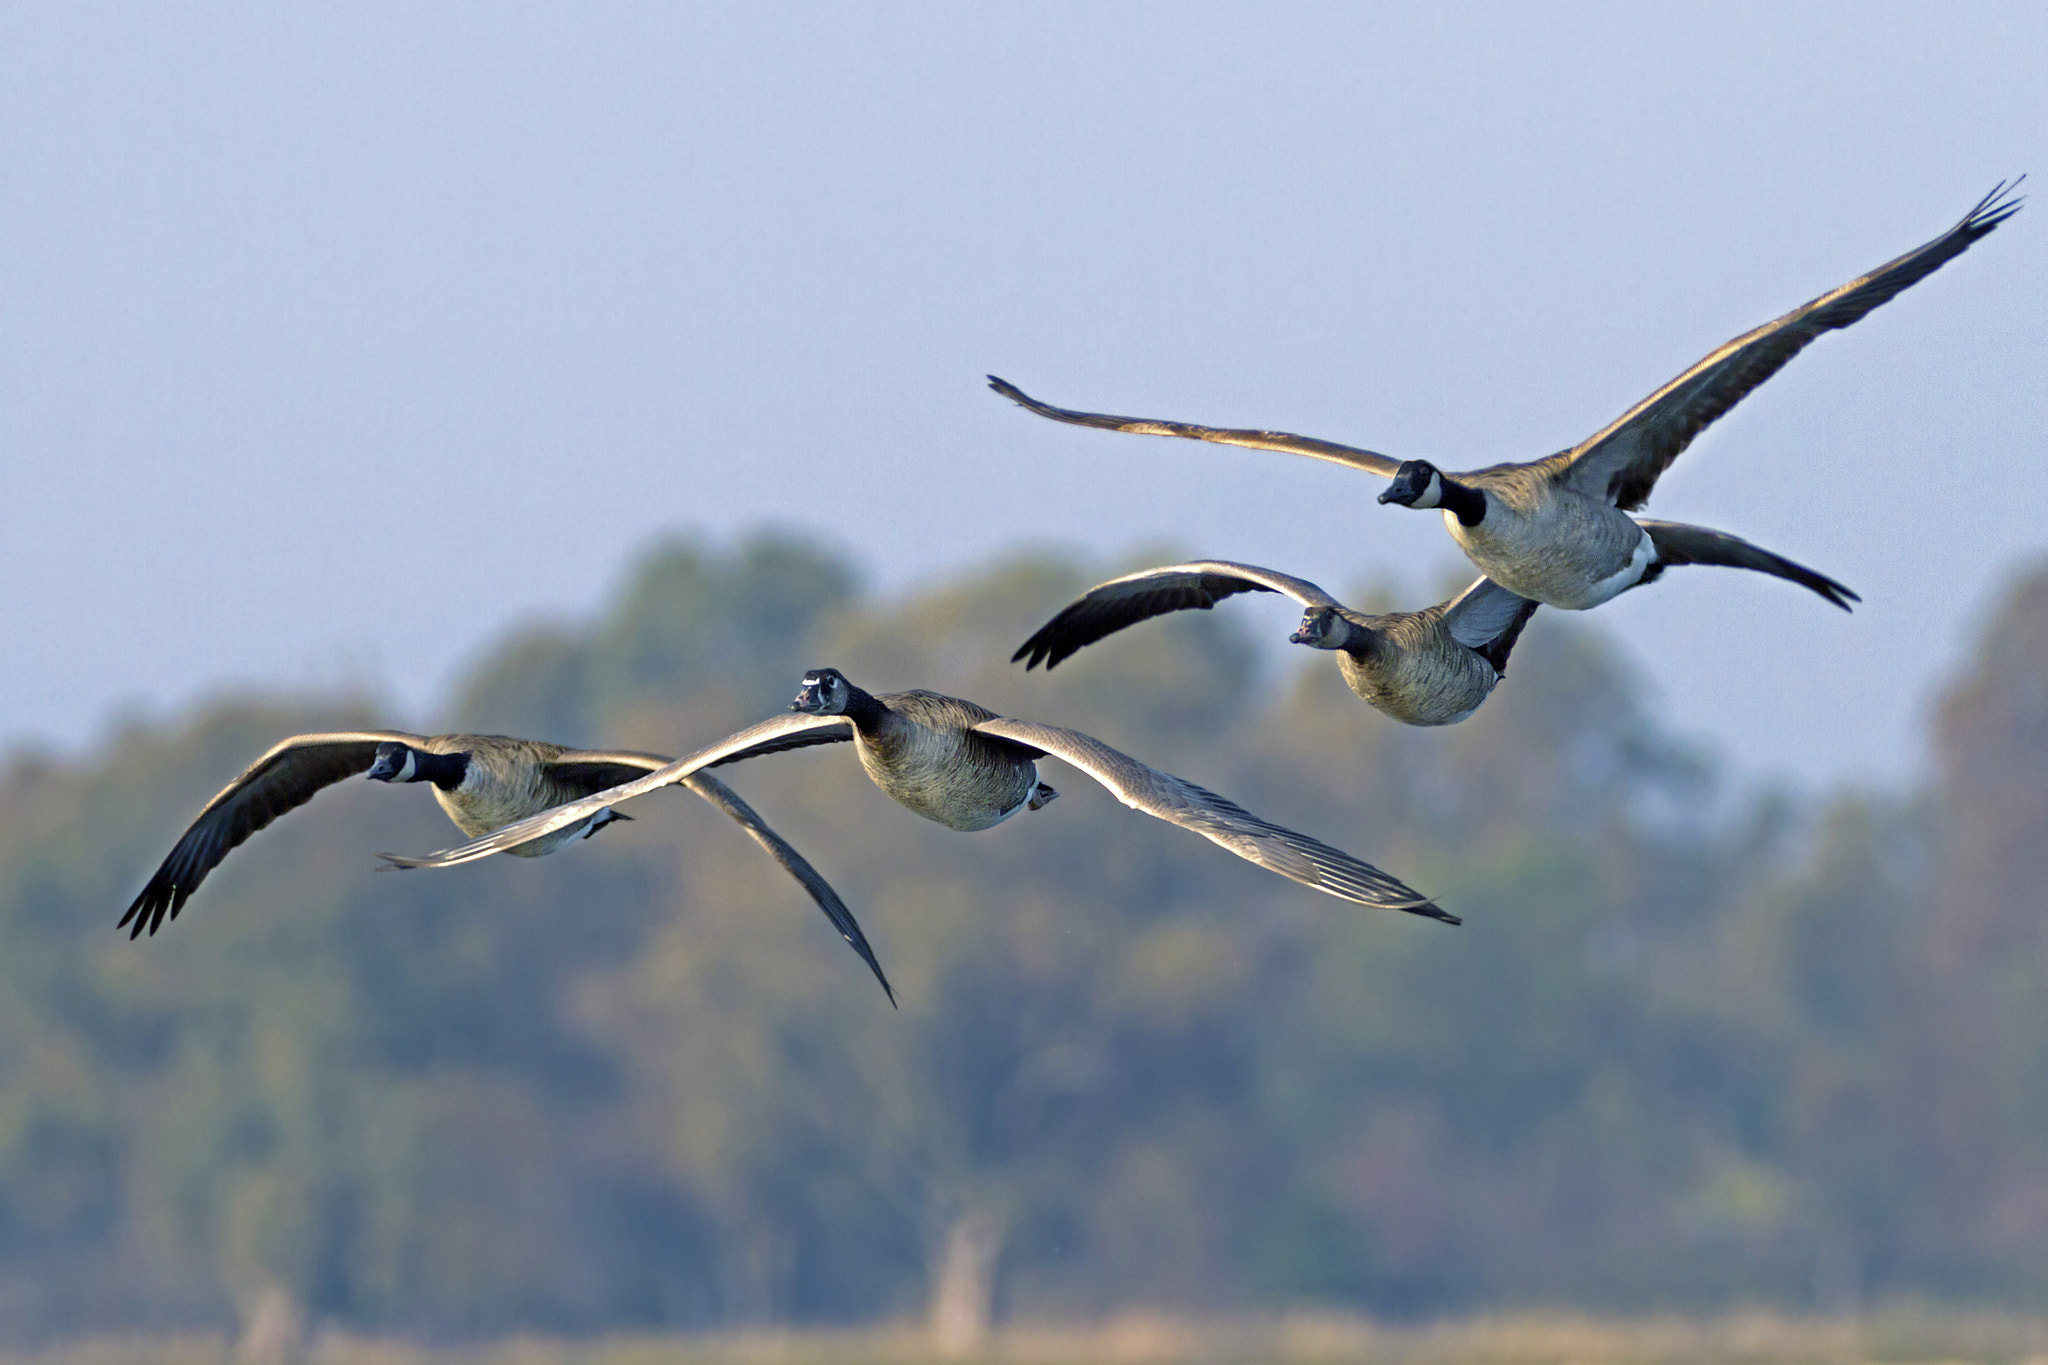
(336, 338)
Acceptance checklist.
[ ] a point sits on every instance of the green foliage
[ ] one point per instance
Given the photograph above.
(1675, 1057)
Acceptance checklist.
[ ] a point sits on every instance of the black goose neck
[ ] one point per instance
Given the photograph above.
(863, 710)
(1362, 642)
(445, 771)
(1466, 503)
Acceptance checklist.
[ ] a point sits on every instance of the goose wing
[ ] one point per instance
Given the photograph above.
(1488, 619)
(1218, 819)
(1136, 597)
(1622, 460)
(1370, 461)
(283, 779)
(1678, 543)
(728, 800)
(593, 771)
(589, 771)
(770, 736)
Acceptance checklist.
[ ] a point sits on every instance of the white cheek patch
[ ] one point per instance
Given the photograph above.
(408, 768)
(1432, 496)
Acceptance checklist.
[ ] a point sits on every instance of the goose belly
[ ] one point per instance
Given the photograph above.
(1432, 687)
(1572, 554)
(951, 780)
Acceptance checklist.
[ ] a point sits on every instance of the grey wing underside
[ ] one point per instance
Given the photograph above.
(1370, 461)
(1487, 619)
(1623, 460)
(1218, 819)
(1678, 543)
(283, 779)
(1194, 586)
(770, 736)
(594, 771)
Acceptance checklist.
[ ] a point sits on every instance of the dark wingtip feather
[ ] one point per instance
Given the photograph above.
(1994, 208)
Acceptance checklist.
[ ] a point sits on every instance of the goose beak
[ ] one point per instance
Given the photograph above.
(384, 769)
(1387, 497)
(811, 698)
(1300, 636)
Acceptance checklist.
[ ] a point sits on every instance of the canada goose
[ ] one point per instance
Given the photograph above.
(969, 769)
(1556, 530)
(482, 781)
(1428, 667)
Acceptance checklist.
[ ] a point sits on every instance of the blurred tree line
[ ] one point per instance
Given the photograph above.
(1690, 1049)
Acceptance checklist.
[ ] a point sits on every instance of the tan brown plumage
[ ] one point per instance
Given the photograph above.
(968, 768)
(1428, 667)
(1556, 530)
(498, 779)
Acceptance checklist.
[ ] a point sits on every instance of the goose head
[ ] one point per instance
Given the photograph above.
(395, 762)
(1321, 628)
(1417, 483)
(825, 692)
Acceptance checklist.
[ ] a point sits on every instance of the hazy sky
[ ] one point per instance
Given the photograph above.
(336, 338)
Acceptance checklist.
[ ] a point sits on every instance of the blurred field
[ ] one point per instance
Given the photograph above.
(1533, 1339)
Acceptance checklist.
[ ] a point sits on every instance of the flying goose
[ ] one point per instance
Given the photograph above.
(969, 769)
(1556, 530)
(481, 781)
(1428, 667)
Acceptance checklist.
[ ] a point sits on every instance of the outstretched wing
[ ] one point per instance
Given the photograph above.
(1370, 461)
(1488, 619)
(1678, 543)
(282, 780)
(1621, 462)
(1220, 820)
(767, 737)
(1136, 597)
(728, 800)
(592, 771)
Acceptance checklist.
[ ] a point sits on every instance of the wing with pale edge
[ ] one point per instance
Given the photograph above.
(1487, 619)
(1137, 597)
(1220, 820)
(767, 737)
(282, 780)
(1370, 461)
(1622, 461)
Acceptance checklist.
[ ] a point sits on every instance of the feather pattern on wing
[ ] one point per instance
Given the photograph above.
(1622, 461)
(1287, 442)
(767, 737)
(1195, 586)
(285, 778)
(1220, 820)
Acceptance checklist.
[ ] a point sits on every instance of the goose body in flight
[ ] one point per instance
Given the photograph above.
(1428, 667)
(481, 781)
(1557, 530)
(969, 769)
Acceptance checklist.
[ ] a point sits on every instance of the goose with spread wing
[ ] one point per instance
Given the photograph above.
(483, 782)
(969, 769)
(1557, 530)
(1428, 667)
